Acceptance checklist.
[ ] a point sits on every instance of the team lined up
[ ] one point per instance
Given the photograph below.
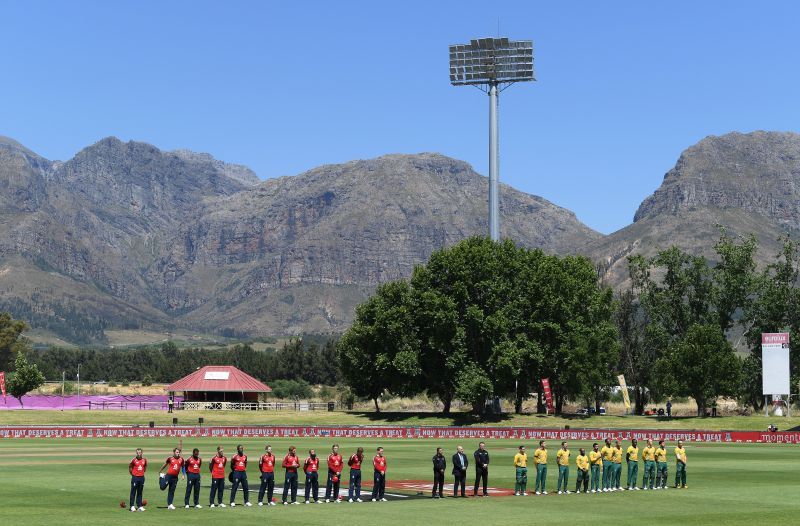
(600, 464)
(606, 461)
(189, 469)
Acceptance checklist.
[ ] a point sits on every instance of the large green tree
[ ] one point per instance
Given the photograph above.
(26, 378)
(10, 332)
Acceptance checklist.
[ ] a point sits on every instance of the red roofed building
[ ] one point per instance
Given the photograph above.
(219, 383)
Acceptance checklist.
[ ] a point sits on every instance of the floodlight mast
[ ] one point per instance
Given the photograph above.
(488, 64)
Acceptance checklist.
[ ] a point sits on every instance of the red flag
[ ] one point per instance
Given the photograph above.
(548, 396)
(3, 384)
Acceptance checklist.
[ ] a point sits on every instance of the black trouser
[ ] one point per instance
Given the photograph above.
(379, 485)
(460, 480)
(172, 482)
(267, 485)
(312, 485)
(331, 485)
(240, 477)
(137, 486)
(354, 488)
(481, 474)
(290, 482)
(438, 481)
(217, 489)
(192, 481)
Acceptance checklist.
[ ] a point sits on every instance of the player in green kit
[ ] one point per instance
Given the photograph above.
(661, 466)
(607, 452)
(596, 464)
(562, 459)
(649, 457)
(680, 465)
(632, 456)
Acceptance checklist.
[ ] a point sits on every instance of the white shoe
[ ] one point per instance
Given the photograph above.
(349, 500)
(317, 502)
(559, 493)
(295, 503)
(260, 504)
(197, 506)
(636, 489)
(141, 508)
(285, 503)
(212, 505)
(247, 504)
(271, 503)
(383, 500)
(306, 502)
(538, 492)
(577, 491)
(187, 506)
(374, 500)
(170, 507)
(359, 500)
(337, 501)
(568, 492)
(222, 504)
(543, 493)
(516, 493)
(133, 508)
(525, 493)
(233, 504)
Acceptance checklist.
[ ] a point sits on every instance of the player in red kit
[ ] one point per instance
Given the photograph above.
(174, 465)
(354, 488)
(290, 464)
(136, 468)
(311, 469)
(193, 464)
(217, 468)
(239, 467)
(267, 467)
(334, 475)
(379, 485)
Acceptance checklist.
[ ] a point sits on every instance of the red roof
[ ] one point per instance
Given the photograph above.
(219, 378)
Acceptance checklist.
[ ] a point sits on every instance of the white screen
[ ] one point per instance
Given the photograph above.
(776, 369)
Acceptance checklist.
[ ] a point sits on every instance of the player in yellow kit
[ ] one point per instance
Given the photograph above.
(521, 468)
(607, 452)
(661, 465)
(649, 457)
(680, 465)
(562, 459)
(616, 459)
(582, 463)
(596, 466)
(632, 456)
(540, 461)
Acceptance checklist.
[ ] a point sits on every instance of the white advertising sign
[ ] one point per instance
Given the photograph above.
(775, 360)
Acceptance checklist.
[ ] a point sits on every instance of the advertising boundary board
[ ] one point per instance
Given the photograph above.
(393, 432)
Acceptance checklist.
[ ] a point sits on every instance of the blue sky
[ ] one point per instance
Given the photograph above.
(623, 87)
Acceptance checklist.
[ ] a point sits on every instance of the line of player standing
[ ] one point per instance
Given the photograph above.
(190, 470)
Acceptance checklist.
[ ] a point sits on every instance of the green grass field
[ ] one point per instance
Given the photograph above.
(80, 481)
(214, 418)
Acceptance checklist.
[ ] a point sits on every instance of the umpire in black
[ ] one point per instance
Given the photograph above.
(439, 467)
(481, 469)
(460, 463)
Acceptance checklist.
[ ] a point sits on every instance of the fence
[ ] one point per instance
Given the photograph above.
(258, 406)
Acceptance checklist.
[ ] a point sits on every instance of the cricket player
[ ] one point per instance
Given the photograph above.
(266, 465)
(596, 466)
(217, 468)
(661, 465)
(439, 467)
(607, 452)
(680, 465)
(335, 465)
(311, 469)
(174, 465)
(540, 461)
(649, 457)
(617, 464)
(481, 457)
(562, 459)
(354, 484)
(632, 459)
(193, 464)
(379, 481)
(239, 467)
(521, 468)
(582, 463)
(290, 463)
(137, 468)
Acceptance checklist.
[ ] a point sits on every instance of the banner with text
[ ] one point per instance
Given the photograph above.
(624, 388)
(775, 363)
(392, 432)
(548, 396)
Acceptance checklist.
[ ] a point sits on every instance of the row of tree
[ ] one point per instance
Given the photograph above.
(487, 319)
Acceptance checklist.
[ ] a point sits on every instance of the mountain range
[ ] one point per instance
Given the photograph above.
(127, 236)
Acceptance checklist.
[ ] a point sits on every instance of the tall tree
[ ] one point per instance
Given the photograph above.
(25, 379)
(10, 333)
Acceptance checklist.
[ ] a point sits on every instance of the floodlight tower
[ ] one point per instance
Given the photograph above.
(492, 65)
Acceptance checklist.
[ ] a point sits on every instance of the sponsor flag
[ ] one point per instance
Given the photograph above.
(548, 396)
(3, 384)
(624, 387)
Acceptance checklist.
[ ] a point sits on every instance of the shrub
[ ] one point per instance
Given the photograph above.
(291, 389)
(147, 381)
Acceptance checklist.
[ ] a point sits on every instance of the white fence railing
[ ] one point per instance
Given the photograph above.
(256, 406)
